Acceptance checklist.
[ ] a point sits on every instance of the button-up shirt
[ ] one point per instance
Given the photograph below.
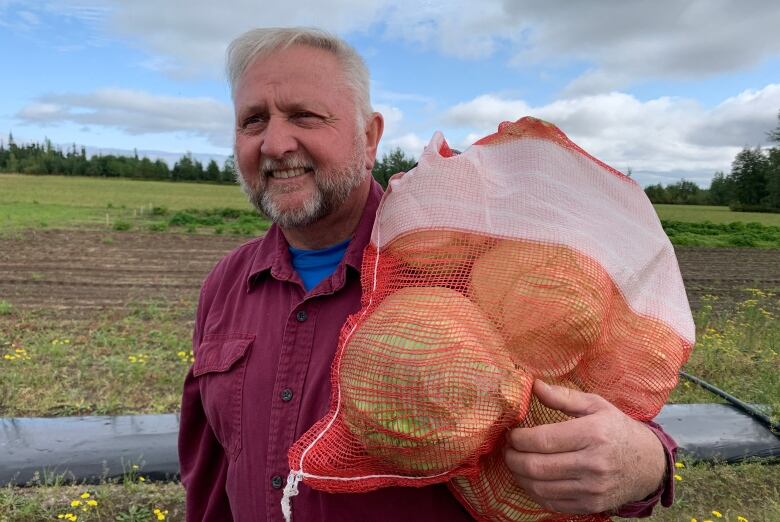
(263, 351)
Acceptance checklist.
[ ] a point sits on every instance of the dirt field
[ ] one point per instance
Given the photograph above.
(72, 274)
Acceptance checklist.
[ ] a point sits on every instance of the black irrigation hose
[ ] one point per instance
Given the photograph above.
(740, 405)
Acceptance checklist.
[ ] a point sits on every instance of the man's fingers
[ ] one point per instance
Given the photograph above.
(546, 467)
(571, 402)
(550, 438)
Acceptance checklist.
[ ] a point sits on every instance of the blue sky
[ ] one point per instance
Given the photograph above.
(669, 89)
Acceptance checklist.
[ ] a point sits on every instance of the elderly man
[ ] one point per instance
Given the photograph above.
(270, 312)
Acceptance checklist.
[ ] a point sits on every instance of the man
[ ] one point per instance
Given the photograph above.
(270, 312)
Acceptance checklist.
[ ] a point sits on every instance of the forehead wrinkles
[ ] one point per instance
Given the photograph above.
(294, 75)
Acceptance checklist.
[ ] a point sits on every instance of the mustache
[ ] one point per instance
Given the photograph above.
(268, 165)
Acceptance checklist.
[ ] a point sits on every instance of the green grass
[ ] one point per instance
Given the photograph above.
(750, 490)
(100, 192)
(736, 234)
(698, 213)
(79, 202)
(131, 362)
(737, 351)
(132, 500)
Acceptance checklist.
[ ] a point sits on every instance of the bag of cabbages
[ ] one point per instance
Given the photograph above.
(523, 257)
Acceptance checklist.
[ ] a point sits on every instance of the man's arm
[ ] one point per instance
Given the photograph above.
(599, 461)
(202, 460)
(665, 492)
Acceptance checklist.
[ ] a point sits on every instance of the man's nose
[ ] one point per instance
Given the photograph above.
(278, 139)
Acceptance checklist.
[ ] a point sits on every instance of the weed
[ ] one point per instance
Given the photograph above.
(158, 227)
(6, 308)
(122, 226)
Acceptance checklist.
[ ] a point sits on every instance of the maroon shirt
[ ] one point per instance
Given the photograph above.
(263, 351)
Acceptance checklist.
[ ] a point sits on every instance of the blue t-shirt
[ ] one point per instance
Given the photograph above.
(315, 265)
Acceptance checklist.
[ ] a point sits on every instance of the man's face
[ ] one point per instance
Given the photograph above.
(298, 148)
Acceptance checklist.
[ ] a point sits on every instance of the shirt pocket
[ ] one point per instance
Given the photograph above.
(220, 366)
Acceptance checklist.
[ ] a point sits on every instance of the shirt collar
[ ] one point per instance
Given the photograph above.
(273, 256)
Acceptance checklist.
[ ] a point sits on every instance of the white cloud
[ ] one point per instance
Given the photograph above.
(136, 112)
(661, 138)
(196, 32)
(484, 111)
(742, 120)
(410, 143)
(622, 42)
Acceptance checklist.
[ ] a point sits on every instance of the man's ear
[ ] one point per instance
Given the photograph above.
(374, 128)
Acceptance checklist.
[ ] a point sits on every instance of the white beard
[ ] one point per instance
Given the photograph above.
(332, 187)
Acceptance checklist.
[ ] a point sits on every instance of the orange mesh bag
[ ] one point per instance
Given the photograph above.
(521, 258)
(493, 495)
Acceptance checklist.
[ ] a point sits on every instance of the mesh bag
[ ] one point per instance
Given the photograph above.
(521, 258)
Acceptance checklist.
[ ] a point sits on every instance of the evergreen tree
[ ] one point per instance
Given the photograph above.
(394, 162)
(722, 190)
(749, 172)
(773, 180)
(229, 170)
(212, 171)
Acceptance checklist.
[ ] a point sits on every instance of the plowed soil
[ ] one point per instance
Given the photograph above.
(74, 274)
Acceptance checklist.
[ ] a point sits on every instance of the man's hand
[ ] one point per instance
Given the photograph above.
(595, 462)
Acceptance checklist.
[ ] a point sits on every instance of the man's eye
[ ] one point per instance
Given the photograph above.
(253, 121)
(303, 115)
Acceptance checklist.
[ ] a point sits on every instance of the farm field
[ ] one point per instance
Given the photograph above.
(95, 320)
(59, 202)
(718, 215)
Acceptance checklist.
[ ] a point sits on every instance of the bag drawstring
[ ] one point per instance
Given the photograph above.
(290, 490)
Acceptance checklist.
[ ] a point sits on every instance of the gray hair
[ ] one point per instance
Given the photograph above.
(261, 42)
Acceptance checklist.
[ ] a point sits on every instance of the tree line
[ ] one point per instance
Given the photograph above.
(752, 185)
(44, 158)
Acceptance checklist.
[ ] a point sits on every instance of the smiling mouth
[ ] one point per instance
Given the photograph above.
(287, 173)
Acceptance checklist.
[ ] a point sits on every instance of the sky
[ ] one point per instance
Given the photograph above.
(666, 88)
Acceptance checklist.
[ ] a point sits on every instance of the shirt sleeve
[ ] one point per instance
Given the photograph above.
(665, 493)
(202, 460)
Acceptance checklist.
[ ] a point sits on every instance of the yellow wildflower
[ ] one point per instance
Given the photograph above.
(85, 495)
(741, 519)
(718, 514)
(135, 466)
(92, 503)
(142, 479)
(677, 477)
(160, 514)
(694, 520)
(679, 465)
(75, 503)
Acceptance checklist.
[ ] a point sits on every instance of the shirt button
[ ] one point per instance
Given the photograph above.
(301, 316)
(276, 482)
(287, 394)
